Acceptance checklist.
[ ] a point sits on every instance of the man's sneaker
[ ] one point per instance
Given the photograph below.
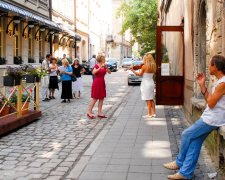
(171, 166)
(176, 176)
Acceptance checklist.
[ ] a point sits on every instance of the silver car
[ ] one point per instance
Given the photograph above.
(127, 62)
(133, 79)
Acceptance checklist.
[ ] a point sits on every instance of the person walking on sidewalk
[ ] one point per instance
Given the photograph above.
(212, 118)
(147, 85)
(98, 91)
(77, 85)
(45, 79)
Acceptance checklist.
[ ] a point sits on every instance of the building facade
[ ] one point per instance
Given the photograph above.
(204, 37)
(23, 28)
(99, 25)
(82, 27)
(63, 13)
(118, 45)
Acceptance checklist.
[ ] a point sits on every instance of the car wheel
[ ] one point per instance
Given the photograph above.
(129, 84)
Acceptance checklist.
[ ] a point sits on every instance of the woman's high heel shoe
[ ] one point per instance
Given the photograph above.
(90, 116)
(102, 116)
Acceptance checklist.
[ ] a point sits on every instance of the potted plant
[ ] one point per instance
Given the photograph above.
(33, 74)
(14, 76)
(18, 60)
(4, 110)
(2, 61)
(31, 60)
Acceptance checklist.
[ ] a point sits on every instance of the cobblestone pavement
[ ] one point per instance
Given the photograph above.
(50, 147)
(64, 144)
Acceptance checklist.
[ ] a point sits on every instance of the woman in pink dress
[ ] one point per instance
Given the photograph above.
(98, 91)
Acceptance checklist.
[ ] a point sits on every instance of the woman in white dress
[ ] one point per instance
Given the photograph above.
(147, 85)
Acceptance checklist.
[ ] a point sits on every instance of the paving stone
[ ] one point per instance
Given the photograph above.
(140, 176)
(91, 176)
(114, 175)
(62, 169)
(140, 169)
(117, 168)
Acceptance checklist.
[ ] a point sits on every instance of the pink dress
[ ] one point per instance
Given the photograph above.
(98, 87)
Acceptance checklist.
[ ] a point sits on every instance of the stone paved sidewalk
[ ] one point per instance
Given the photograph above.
(135, 147)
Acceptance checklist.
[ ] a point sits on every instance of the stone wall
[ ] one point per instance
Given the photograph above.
(203, 51)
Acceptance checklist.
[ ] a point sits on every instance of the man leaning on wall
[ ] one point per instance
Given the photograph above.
(212, 118)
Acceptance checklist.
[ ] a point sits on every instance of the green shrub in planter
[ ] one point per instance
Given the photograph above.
(31, 60)
(14, 76)
(18, 60)
(2, 61)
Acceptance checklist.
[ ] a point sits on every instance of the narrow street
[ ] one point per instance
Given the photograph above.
(64, 144)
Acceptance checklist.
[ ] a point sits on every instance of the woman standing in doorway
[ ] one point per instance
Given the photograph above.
(98, 91)
(147, 84)
(77, 85)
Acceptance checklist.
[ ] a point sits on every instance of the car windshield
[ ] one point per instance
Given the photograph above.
(111, 60)
(127, 59)
(137, 63)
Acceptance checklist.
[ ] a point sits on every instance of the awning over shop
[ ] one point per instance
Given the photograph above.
(24, 13)
(72, 33)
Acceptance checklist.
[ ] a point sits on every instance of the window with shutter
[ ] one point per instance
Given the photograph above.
(43, 3)
(32, 1)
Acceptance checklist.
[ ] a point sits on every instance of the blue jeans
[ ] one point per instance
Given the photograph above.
(191, 143)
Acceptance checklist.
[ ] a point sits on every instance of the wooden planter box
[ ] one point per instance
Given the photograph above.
(32, 78)
(5, 111)
(11, 81)
(25, 108)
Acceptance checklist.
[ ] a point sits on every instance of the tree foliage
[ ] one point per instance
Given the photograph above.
(140, 17)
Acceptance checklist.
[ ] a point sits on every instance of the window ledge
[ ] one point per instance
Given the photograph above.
(198, 103)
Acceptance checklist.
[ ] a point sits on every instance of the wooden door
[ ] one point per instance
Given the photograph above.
(170, 65)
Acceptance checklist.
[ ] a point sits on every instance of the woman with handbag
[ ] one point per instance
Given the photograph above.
(66, 73)
(77, 85)
(98, 90)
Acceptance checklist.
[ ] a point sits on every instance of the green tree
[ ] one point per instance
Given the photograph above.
(140, 17)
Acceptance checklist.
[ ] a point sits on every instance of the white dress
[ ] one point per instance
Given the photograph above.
(77, 85)
(147, 87)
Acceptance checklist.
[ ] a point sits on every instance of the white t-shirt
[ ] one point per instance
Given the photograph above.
(45, 64)
(215, 116)
(92, 62)
(53, 71)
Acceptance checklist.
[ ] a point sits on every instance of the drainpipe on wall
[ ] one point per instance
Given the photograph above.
(75, 26)
(50, 18)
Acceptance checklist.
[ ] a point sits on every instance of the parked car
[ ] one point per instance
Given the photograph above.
(111, 64)
(127, 62)
(137, 63)
(133, 79)
(86, 66)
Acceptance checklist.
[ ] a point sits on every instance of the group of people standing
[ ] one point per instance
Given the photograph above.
(71, 87)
